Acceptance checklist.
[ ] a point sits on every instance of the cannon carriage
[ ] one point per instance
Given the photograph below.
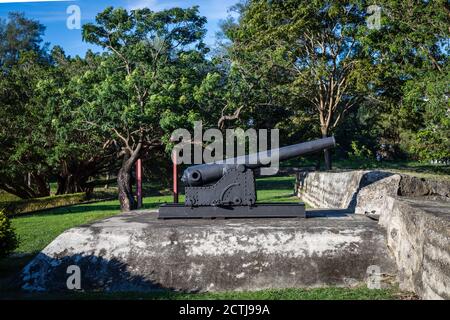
(227, 189)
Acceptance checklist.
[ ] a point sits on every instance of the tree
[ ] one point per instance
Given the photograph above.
(135, 82)
(412, 51)
(309, 50)
(39, 118)
(76, 156)
(23, 172)
(19, 34)
(23, 168)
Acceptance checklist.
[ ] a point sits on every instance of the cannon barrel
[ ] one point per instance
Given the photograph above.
(209, 172)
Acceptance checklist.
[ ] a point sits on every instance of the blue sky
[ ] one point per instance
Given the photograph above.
(53, 15)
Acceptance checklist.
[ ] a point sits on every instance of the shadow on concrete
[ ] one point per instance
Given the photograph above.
(367, 179)
(328, 213)
(50, 275)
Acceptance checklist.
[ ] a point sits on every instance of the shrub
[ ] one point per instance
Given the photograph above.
(38, 204)
(8, 238)
(359, 151)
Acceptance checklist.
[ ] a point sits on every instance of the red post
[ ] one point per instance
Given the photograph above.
(139, 183)
(175, 178)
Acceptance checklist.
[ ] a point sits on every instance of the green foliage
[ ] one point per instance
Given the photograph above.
(359, 151)
(19, 34)
(431, 144)
(144, 73)
(39, 119)
(411, 51)
(24, 134)
(427, 97)
(330, 293)
(14, 208)
(305, 64)
(8, 238)
(308, 68)
(41, 128)
(7, 197)
(145, 79)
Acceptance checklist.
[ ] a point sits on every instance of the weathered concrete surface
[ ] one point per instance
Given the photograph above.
(354, 190)
(375, 198)
(418, 232)
(335, 189)
(415, 213)
(372, 197)
(132, 252)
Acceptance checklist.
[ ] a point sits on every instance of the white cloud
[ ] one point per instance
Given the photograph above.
(139, 4)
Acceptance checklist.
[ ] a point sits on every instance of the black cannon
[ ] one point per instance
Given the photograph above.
(226, 189)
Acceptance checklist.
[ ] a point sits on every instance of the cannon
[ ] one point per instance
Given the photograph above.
(226, 189)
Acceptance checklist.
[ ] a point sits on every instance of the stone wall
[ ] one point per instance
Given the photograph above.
(417, 230)
(335, 189)
(414, 212)
(418, 236)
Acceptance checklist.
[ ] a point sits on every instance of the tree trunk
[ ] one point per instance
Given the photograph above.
(326, 152)
(71, 183)
(74, 175)
(318, 162)
(19, 190)
(18, 186)
(42, 185)
(126, 196)
(107, 179)
(327, 158)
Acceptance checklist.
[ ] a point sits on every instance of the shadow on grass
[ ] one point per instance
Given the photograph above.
(328, 213)
(288, 197)
(10, 268)
(154, 205)
(72, 209)
(282, 183)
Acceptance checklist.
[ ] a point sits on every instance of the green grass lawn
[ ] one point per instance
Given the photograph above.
(329, 293)
(36, 231)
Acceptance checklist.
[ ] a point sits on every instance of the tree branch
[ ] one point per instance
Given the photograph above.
(223, 118)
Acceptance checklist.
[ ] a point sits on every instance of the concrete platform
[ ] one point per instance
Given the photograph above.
(138, 252)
